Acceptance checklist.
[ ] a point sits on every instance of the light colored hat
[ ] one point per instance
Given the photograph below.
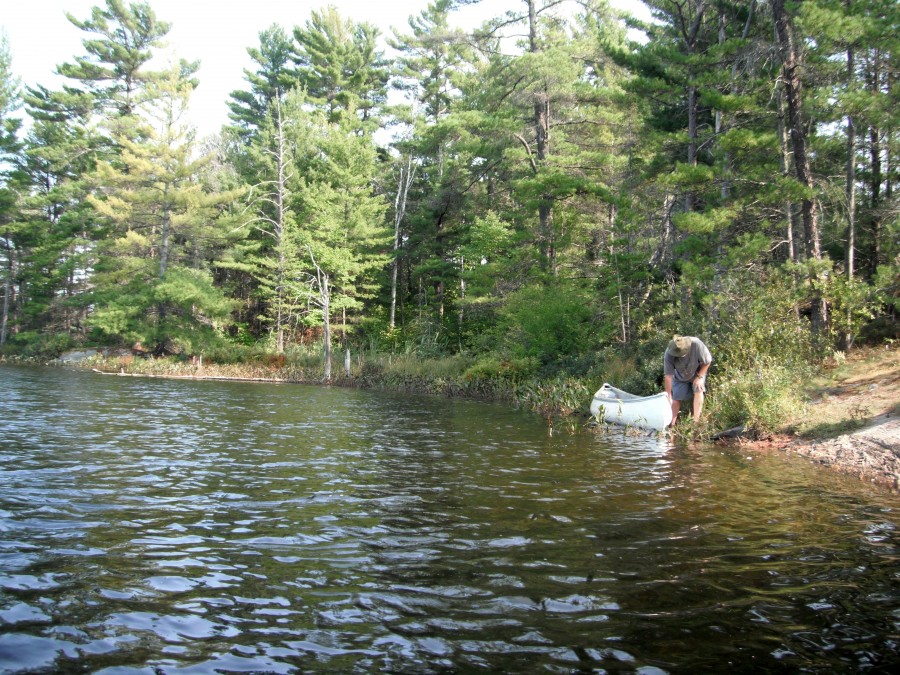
(679, 346)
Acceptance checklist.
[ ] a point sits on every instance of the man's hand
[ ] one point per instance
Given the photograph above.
(699, 386)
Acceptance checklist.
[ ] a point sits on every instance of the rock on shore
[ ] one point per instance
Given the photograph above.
(871, 453)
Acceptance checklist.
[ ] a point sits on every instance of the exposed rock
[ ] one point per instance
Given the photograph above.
(863, 393)
(78, 355)
(871, 453)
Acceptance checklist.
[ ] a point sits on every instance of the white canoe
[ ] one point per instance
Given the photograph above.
(620, 407)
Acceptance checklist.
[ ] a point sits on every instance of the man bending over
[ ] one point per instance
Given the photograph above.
(684, 368)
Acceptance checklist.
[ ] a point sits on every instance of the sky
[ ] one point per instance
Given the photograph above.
(215, 32)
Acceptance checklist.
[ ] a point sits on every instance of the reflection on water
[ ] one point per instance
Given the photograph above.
(154, 526)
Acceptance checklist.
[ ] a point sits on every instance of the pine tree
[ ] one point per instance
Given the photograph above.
(112, 71)
(154, 283)
(343, 231)
(10, 100)
(74, 128)
(277, 156)
(274, 77)
(432, 61)
(340, 67)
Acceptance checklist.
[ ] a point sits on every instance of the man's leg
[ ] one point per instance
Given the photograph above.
(698, 405)
(681, 391)
(676, 406)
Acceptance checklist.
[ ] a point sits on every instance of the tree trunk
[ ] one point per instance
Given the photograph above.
(279, 233)
(791, 71)
(809, 212)
(164, 238)
(321, 280)
(462, 296)
(875, 203)
(851, 175)
(889, 148)
(720, 121)
(403, 184)
(325, 292)
(662, 254)
(784, 142)
(541, 121)
(876, 170)
(7, 290)
(692, 98)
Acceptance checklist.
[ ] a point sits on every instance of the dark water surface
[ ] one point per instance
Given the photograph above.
(159, 526)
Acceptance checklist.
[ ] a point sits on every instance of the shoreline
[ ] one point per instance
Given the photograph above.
(870, 454)
(868, 450)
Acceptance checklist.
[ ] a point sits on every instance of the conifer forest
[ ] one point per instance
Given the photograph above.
(546, 198)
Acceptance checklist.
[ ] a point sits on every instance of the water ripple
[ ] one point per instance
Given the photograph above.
(152, 526)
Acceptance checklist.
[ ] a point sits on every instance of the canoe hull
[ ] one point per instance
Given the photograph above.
(619, 407)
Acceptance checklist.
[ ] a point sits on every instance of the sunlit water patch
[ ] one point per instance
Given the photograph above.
(156, 526)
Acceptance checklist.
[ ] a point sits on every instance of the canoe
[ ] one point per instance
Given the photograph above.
(620, 407)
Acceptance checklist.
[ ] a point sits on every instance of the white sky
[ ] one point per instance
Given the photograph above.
(217, 32)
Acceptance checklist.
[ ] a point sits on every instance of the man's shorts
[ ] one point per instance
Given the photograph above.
(682, 391)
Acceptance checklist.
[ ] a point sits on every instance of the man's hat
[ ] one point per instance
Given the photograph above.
(679, 346)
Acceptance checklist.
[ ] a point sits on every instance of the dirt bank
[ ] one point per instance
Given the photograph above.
(852, 420)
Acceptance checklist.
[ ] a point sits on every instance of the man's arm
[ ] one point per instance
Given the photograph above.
(698, 377)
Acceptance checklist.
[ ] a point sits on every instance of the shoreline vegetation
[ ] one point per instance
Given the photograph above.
(526, 220)
(849, 419)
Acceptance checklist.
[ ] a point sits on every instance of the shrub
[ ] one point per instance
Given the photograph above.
(563, 395)
(546, 323)
(762, 397)
(40, 346)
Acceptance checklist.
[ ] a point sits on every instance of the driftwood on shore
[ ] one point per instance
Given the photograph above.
(730, 434)
(273, 380)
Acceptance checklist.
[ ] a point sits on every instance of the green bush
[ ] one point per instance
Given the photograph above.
(40, 346)
(494, 367)
(563, 395)
(546, 323)
(762, 397)
(635, 367)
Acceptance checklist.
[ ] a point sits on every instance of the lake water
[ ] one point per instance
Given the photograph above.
(162, 526)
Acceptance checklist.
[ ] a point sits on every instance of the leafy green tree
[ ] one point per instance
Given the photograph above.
(343, 229)
(339, 65)
(154, 283)
(273, 78)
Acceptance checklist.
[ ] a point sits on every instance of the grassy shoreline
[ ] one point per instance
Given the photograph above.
(460, 377)
(844, 401)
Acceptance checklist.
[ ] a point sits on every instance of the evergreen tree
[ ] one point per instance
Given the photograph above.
(112, 71)
(10, 101)
(340, 67)
(72, 129)
(431, 66)
(153, 282)
(342, 229)
(277, 155)
(273, 77)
